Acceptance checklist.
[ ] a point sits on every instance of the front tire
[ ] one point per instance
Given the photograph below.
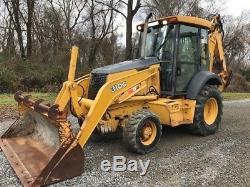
(208, 111)
(142, 132)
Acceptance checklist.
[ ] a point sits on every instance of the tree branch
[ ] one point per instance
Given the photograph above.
(78, 14)
(113, 8)
(137, 7)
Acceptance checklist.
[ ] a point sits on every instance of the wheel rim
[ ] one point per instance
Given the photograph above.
(210, 111)
(148, 133)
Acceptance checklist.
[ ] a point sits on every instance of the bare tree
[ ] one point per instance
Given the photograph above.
(72, 11)
(29, 25)
(236, 40)
(199, 8)
(13, 8)
(131, 7)
(17, 16)
(162, 8)
(101, 25)
(7, 38)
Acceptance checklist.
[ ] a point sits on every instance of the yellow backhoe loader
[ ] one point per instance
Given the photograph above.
(176, 80)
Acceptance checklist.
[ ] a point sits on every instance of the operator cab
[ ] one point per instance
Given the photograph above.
(182, 50)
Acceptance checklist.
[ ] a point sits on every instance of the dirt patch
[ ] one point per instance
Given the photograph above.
(8, 112)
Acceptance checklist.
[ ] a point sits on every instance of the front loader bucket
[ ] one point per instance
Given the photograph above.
(42, 151)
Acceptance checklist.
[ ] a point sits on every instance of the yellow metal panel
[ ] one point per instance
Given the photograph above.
(188, 110)
(159, 107)
(173, 112)
(131, 92)
(64, 96)
(194, 21)
(74, 100)
(145, 98)
(153, 81)
(86, 102)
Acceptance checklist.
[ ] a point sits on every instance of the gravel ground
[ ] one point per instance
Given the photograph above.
(181, 159)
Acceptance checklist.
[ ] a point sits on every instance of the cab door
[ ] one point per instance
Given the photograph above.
(167, 62)
(188, 56)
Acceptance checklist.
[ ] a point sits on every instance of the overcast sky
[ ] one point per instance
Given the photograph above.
(235, 7)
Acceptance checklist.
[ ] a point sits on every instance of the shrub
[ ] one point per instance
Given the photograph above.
(7, 80)
(31, 75)
(239, 84)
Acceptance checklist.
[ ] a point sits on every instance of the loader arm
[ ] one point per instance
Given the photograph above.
(103, 100)
(69, 87)
(106, 97)
(70, 90)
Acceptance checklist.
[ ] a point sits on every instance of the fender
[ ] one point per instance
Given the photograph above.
(199, 81)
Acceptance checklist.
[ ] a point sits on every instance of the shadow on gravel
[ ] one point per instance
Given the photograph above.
(167, 132)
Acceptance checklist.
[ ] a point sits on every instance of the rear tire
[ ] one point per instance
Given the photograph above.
(142, 132)
(208, 111)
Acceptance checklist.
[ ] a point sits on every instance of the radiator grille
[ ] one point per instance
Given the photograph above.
(96, 82)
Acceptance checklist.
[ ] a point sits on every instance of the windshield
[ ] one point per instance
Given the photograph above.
(159, 42)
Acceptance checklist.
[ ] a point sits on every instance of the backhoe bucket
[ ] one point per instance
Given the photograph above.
(40, 150)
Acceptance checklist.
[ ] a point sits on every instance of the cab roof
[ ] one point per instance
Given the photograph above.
(195, 21)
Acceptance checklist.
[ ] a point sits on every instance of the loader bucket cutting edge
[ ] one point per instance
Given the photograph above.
(42, 151)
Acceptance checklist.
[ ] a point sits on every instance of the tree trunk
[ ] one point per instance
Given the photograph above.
(30, 5)
(92, 55)
(129, 30)
(10, 45)
(15, 5)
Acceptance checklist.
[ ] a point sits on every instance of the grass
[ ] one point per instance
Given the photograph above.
(227, 96)
(8, 99)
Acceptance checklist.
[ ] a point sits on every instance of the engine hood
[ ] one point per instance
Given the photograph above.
(126, 65)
